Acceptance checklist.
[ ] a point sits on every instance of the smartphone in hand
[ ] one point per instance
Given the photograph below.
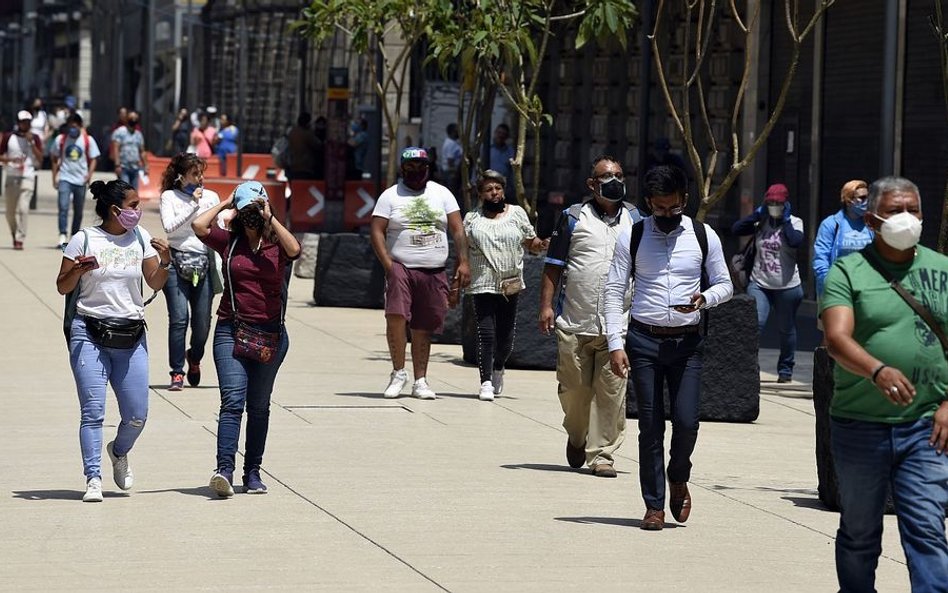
(88, 261)
(684, 307)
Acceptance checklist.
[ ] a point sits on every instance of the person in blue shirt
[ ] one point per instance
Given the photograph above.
(501, 153)
(226, 141)
(842, 233)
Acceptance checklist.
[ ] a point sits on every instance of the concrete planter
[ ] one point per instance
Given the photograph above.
(347, 273)
(730, 380)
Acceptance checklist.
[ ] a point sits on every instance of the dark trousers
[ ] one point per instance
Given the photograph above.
(496, 317)
(676, 362)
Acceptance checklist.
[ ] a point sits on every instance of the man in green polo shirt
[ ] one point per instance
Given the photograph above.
(889, 411)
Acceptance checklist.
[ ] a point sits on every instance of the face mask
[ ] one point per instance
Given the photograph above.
(132, 123)
(251, 218)
(775, 211)
(612, 190)
(416, 180)
(858, 209)
(129, 218)
(190, 188)
(489, 206)
(901, 231)
(667, 224)
(73, 132)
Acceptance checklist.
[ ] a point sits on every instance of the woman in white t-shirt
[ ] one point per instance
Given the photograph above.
(189, 284)
(106, 265)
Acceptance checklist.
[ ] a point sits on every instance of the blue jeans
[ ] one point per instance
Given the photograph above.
(180, 295)
(243, 383)
(785, 303)
(78, 194)
(657, 361)
(127, 371)
(130, 176)
(870, 457)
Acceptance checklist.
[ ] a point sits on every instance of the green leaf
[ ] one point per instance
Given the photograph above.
(612, 19)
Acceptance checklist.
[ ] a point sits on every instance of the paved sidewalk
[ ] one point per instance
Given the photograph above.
(368, 494)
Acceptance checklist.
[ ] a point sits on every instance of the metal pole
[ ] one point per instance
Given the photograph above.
(241, 89)
(149, 109)
(889, 82)
(645, 88)
(190, 77)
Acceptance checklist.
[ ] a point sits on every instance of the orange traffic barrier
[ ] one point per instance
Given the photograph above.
(156, 167)
(255, 166)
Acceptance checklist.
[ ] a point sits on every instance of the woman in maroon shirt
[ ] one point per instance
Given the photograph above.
(250, 340)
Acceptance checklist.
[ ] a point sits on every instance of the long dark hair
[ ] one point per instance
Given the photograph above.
(179, 166)
(107, 195)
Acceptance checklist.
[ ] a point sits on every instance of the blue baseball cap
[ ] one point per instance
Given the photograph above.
(249, 192)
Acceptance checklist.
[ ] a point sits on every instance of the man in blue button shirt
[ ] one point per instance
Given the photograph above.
(664, 343)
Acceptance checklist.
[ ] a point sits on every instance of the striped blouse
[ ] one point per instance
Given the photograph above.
(496, 247)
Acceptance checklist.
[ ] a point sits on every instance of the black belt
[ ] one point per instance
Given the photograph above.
(661, 330)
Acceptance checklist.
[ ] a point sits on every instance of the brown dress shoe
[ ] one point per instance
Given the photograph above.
(604, 470)
(575, 456)
(679, 501)
(654, 520)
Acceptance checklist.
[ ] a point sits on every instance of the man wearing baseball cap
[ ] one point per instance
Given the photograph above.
(409, 236)
(21, 152)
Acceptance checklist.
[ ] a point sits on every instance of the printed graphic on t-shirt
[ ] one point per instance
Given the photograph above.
(769, 255)
(73, 152)
(420, 217)
(853, 241)
(930, 287)
(119, 258)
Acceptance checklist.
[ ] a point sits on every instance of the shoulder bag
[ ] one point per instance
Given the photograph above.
(251, 343)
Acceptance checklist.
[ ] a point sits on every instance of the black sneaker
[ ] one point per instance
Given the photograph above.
(253, 484)
(784, 379)
(194, 370)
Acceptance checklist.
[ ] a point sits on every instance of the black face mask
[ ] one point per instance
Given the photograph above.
(489, 206)
(667, 224)
(251, 218)
(613, 190)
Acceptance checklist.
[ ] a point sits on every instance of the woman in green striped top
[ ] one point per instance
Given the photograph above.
(497, 235)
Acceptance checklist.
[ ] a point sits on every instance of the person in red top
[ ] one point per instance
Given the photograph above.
(256, 253)
(204, 137)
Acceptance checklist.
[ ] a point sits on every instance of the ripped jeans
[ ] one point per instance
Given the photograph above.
(127, 371)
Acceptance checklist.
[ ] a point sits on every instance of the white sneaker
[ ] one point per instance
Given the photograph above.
(396, 383)
(93, 491)
(487, 392)
(421, 390)
(497, 379)
(63, 241)
(121, 473)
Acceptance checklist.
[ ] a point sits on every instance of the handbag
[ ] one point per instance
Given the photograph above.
(511, 286)
(252, 343)
(742, 264)
(916, 306)
(113, 332)
(190, 266)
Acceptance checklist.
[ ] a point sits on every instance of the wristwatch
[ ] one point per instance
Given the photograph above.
(164, 266)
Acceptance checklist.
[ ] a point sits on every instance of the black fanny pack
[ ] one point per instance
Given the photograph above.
(113, 332)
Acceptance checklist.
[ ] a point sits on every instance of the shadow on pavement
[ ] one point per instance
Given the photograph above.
(619, 521)
(548, 467)
(35, 495)
(807, 503)
(202, 491)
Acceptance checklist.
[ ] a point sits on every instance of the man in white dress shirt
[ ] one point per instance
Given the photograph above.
(678, 269)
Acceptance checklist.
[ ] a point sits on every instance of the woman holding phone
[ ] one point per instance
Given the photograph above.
(107, 264)
(250, 340)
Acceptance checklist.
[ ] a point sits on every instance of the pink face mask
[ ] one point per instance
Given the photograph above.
(129, 218)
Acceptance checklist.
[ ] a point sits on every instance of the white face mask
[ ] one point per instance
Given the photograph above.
(901, 231)
(775, 211)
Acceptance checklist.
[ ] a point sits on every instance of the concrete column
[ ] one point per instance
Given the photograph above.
(756, 106)
(83, 90)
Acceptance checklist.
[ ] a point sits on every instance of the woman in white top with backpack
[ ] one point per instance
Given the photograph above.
(103, 270)
(189, 290)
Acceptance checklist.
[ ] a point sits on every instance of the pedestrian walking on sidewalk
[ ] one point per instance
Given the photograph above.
(21, 151)
(74, 157)
(203, 137)
(250, 340)
(106, 264)
(128, 151)
(775, 277)
(593, 399)
(410, 226)
(497, 234)
(885, 313)
(189, 291)
(678, 269)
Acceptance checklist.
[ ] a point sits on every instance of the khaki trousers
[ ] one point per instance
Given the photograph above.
(592, 396)
(18, 191)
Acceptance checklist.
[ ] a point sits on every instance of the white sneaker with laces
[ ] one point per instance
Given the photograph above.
(93, 491)
(63, 241)
(487, 392)
(121, 472)
(421, 390)
(396, 383)
(497, 380)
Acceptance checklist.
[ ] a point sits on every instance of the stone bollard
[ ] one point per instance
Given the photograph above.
(305, 266)
(347, 273)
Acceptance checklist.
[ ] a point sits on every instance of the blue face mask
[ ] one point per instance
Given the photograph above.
(73, 132)
(190, 188)
(858, 209)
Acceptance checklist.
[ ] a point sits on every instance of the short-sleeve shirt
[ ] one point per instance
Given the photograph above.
(15, 145)
(258, 278)
(130, 145)
(417, 223)
(114, 289)
(203, 141)
(73, 160)
(495, 248)
(775, 262)
(890, 330)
